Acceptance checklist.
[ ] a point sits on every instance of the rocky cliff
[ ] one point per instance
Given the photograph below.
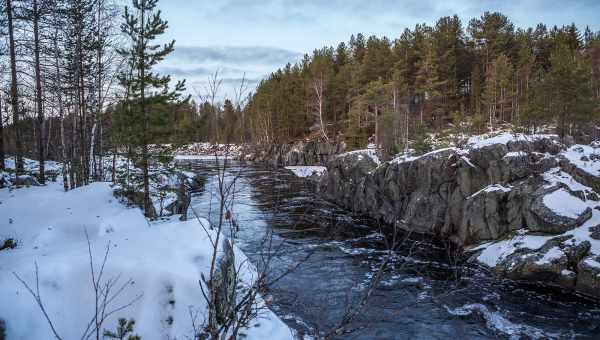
(312, 152)
(525, 204)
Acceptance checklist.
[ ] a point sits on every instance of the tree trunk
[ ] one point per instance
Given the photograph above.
(13, 91)
(148, 209)
(38, 93)
(61, 113)
(376, 127)
(319, 92)
(63, 151)
(2, 167)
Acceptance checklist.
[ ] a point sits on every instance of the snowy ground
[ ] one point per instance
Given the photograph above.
(163, 260)
(307, 171)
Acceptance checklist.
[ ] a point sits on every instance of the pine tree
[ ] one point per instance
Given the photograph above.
(524, 73)
(568, 81)
(376, 96)
(449, 43)
(399, 119)
(428, 85)
(146, 88)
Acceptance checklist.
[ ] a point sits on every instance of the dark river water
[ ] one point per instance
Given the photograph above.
(424, 294)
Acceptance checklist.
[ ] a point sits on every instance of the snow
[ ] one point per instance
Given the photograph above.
(592, 263)
(371, 153)
(556, 175)
(208, 151)
(495, 252)
(551, 255)
(584, 157)
(564, 204)
(403, 158)
(492, 188)
(468, 161)
(515, 154)
(481, 141)
(163, 259)
(32, 166)
(408, 158)
(307, 171)
(201, 157)
(568, 273)
(498, 323)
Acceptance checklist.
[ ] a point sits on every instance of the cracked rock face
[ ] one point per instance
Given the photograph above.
(482, 194)
(466, 195)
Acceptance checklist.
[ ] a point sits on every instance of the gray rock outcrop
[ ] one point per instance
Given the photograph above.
(478, 194)
(465, 195)
(312, 152)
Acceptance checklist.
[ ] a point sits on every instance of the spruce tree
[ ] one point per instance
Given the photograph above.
(146, 89)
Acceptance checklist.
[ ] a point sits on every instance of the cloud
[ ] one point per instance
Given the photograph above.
(181, 70)
(238, 55)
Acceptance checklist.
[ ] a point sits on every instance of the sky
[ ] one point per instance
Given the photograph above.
(252, 38)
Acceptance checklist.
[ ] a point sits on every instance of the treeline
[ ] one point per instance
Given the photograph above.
(389, 91)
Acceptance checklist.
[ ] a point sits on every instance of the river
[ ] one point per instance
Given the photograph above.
(425, 294)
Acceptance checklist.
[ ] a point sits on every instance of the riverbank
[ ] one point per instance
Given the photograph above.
(159, 264)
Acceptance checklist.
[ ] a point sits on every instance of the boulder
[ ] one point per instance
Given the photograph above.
(556, 263)
(554, 210)
(588, 276)
(595, 232)
(26, 180)
(547, 266)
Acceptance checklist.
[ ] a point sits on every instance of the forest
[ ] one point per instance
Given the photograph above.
(476, 76)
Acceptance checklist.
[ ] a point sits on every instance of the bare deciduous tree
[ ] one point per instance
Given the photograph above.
(317, 86)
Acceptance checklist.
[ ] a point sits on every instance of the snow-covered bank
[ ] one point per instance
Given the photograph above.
(208, 151)
(163, 259)
(201, 157)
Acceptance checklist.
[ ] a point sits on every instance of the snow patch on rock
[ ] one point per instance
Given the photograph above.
(307, 171)
(564, 204)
